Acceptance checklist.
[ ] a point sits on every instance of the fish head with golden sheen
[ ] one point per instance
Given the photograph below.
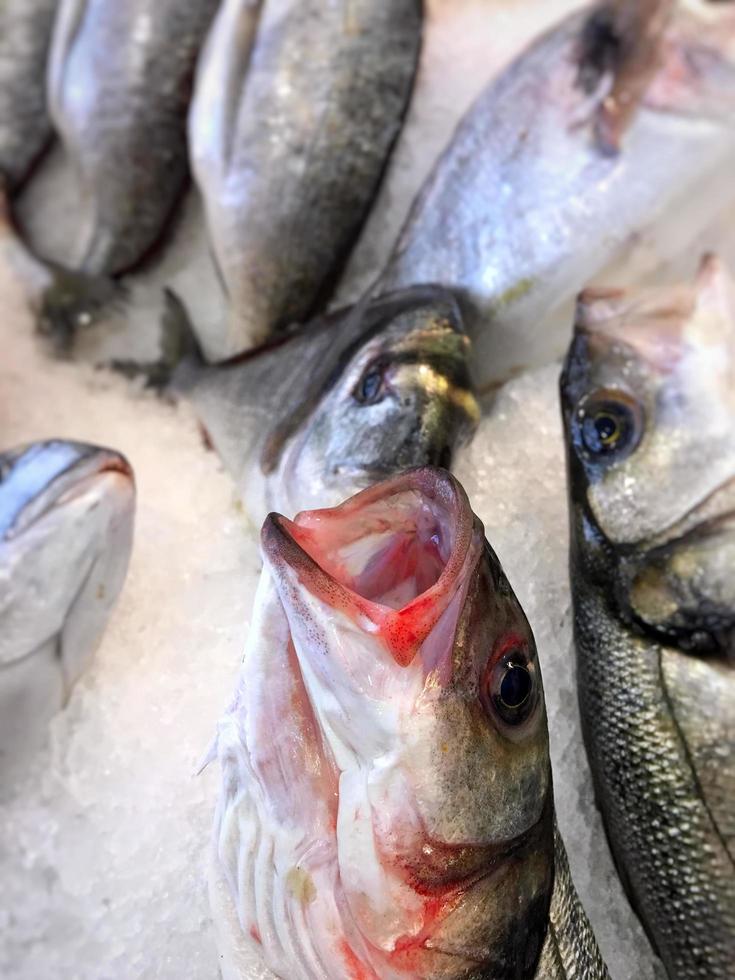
(421, 670)
(648, 395)
(399, 396)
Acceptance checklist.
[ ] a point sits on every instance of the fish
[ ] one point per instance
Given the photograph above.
(648, 397)
(25, 128)
(66, 530)
(548, 184)
(119, 84)
(385, 806)
(353, 397)
(288, 148)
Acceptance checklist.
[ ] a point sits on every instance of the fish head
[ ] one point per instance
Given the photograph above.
(66, 523)
(399, 396)
(648, 395)
(422, 673)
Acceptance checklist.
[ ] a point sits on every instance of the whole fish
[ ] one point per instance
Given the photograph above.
(297, 105)
(548, 183)
(25, 35)
(350, 399)
(120, 78)
(648, 396)
(66, 526)
(386, 807)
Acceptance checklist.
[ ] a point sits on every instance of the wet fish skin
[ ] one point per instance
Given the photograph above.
(120, 79)
(25, 35)
(378, 816)
(652, 553)
(523, 208)
(291, 422)
(66, 525)
(288, 149)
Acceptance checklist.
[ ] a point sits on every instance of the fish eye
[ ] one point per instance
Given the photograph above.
(510, 688)
(370, 387)
(515, 687)
(609, 424)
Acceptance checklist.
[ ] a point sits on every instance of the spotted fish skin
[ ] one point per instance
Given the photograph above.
(25, 128)
(648, 404)
(385, 807)
(297, 106)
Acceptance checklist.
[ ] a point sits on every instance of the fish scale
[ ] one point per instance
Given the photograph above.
(676, 866)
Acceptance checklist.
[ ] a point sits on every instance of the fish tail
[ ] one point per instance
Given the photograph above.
(74, 301)
(180, 358)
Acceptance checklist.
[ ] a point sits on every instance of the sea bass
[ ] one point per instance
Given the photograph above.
(548, 183)
(297, 105)
(386, 806)
(66, 525)
(120, 77)
(25, 128)
(648, 396)
(350, 399)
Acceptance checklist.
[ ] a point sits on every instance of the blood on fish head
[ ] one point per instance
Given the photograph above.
(648, 396)
(421, 669)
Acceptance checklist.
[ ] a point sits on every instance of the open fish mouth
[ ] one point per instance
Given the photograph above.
(52, 474)
(392, 556)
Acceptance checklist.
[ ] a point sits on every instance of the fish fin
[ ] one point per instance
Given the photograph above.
(181, 358)
(73, 301)
(621, 39)
(68, 20)
(208, 757)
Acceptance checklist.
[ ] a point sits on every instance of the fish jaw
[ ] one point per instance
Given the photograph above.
(372, 598)
(67, 512)
(383, 864)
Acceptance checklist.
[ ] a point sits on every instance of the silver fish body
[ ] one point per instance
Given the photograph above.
(297, 105)
(25, 128)
(66, 524)
(120, 77)
(524, 208)
(353, 397)
(649, 405)
(386, 808)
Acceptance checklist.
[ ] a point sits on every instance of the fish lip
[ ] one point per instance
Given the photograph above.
(281, 543)
(90, 462)
(688, 525)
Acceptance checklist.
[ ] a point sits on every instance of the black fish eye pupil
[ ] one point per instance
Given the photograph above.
(515, 687)
(607, 427)
(371, 384)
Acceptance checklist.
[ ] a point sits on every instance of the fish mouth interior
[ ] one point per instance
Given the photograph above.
(393, 542)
